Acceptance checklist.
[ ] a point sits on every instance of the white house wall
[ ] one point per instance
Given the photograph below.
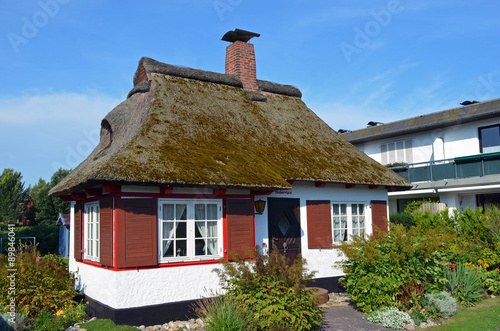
(320, 260)
(459, 140)
(143, 287)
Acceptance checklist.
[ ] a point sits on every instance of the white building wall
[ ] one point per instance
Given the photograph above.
(458, 140)
(142, 287)
(320, 260)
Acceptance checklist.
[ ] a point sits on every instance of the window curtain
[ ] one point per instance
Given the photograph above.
(168, 227)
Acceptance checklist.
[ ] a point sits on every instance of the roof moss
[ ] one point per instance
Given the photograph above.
(187, 131)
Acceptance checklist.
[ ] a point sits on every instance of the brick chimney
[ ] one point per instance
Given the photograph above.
(240, 58)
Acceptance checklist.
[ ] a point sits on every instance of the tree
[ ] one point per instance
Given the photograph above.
(12, 195)
(47, 208)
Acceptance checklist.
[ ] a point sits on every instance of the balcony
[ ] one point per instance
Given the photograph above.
(462, 167)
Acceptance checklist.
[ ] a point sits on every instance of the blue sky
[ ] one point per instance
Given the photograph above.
(66, 63)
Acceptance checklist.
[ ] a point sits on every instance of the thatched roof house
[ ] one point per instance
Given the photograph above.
(181, 164)
(182, 126)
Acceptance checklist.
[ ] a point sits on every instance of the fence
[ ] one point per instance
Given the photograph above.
(433, 207)
(18, 239)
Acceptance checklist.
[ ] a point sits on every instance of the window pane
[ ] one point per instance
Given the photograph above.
(336, 209)
(199, 212)
(343, 209)
(336, 236)
(181, 249)
(212, 247)
(212, 229)
(212, 212)
(168, 248)
(200, 247)
(200, 229)
(181, 212)
(168, 230)
(168, 212)
(181, 232)
(490, 139)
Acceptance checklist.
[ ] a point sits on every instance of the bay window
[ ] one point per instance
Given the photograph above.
(190, 229)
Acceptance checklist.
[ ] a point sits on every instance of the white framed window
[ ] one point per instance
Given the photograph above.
(189, 230)
(348, 219)
(397, 151)
(91, 218)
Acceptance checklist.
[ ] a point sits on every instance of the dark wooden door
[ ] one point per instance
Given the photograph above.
(284, 226)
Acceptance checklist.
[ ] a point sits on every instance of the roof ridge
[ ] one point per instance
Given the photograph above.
(153, 66)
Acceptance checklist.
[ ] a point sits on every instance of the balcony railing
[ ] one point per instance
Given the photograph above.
(461, 167)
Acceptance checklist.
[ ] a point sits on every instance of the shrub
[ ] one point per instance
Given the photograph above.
(41, 282)
(224, 313)
(389, 317)
(446, 305)
(464, 283)
(60, 320)
(402, 218)
(273, 290)
(47, 236)
(379, 271)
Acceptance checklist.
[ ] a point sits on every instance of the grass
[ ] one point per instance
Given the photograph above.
(106, 325)
(484, 316)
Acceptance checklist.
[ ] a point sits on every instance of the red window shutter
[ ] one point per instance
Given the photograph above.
(78, 253)
(136, 233)
(240, 227)
(319, 224)
(379, 215)
(106, 232)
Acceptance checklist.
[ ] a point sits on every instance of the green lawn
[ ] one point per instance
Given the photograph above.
(482, 317)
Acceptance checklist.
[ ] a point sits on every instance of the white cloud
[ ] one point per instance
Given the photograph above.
(66, 109)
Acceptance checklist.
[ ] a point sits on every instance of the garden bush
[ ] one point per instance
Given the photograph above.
(47, 236)
(402, 218)
(379, 271)
(224, 313)
(445, 304)
(464, 283)
(273, 290)
(389, 317)
(41, 282)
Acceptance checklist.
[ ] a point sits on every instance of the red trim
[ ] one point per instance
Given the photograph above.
(93, 192)
(372, 187)
(219, 191)
(320, 184)
(290, 182)
(160, 266)
(111, 188)
(254, 192)
(166, 190)
(66, 198)
(78, 196)
(350, 185)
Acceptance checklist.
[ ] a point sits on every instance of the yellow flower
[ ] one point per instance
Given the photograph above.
(480, 261)
(6, 308)
(60, 312)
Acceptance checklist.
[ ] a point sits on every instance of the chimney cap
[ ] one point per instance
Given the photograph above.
(238, 34)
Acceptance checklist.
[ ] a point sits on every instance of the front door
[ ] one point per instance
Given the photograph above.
(284, 226)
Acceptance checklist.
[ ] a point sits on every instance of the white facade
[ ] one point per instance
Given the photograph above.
(120, 289)
(439, 145)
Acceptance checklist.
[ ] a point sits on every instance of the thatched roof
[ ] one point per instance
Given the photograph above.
(190, 127)
(454, 116)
